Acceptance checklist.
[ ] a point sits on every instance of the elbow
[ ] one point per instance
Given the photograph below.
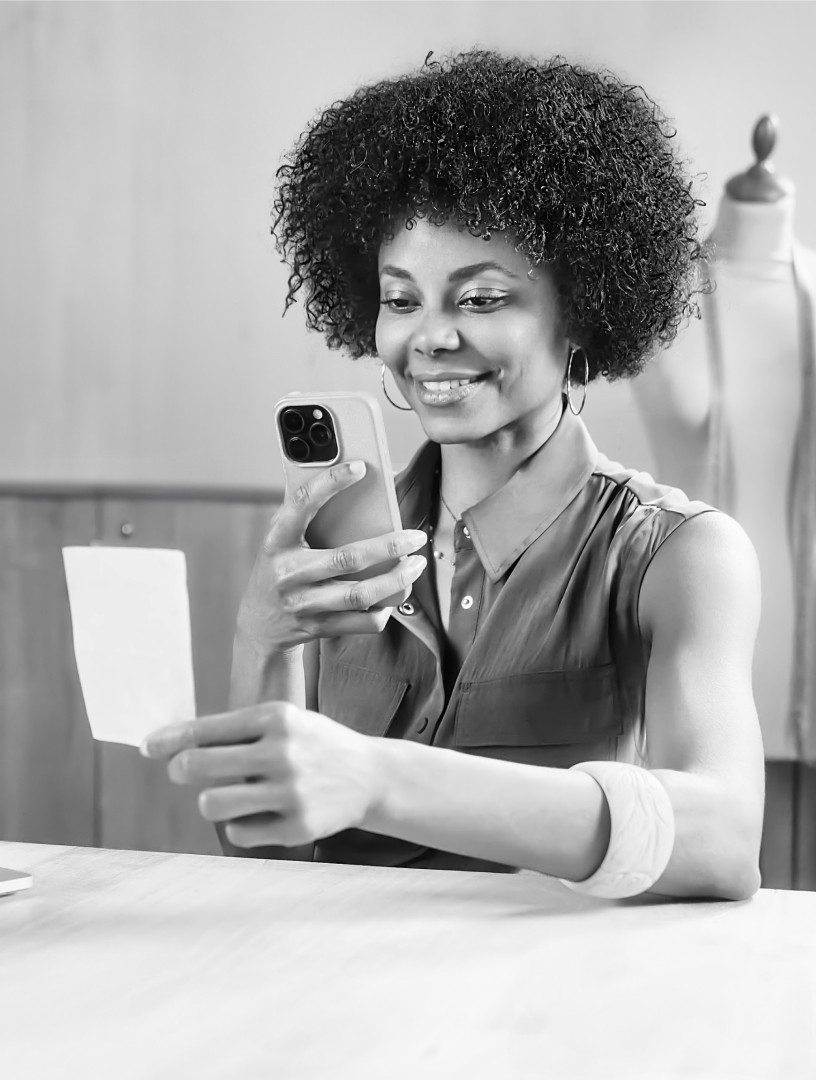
(716, 851)
(740, 842)
(716, 876)
(742, 880)
(736, 874)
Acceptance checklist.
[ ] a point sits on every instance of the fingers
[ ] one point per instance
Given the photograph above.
(224, 764)
(354, 595)
(242, 800)
(335, 624)
(261, 830)
(310, 565)
(302, 504)
(240, 726)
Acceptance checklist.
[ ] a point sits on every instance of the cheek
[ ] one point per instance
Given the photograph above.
(381, 340)
(389, 341)
(535, 366)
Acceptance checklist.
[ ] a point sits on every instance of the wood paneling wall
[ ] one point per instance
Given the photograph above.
(46, 750)
(56, 784)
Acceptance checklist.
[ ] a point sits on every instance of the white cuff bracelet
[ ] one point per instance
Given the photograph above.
(642, 831)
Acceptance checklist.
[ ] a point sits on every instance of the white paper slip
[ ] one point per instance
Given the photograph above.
(131, 617)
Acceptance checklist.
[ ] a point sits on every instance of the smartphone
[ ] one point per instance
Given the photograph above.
(316, 431)
(14, 880)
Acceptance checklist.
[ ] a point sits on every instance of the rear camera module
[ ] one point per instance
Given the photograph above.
(308, 435)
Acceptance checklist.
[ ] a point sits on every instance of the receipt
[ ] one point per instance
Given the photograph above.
(131, 619)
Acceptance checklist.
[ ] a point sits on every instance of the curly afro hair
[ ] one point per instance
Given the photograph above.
(574, 164)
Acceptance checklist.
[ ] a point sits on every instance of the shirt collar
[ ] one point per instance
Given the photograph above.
(503, 525)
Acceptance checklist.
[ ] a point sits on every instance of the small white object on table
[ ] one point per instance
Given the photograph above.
(135, 965)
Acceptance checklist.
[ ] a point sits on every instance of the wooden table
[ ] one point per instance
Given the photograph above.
(127, 964)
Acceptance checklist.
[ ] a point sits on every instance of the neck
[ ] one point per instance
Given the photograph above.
(472, 471)
(755, 232)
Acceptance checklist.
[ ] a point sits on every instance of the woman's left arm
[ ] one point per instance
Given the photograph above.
(312, 777)
(700, 605)
(699, 608)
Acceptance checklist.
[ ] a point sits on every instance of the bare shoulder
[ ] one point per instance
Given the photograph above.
(706, 572)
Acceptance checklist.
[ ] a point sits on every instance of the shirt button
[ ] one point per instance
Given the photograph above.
(423, 725)
(406, 609)
(467, 602)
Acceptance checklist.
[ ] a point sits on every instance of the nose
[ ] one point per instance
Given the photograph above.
(435, 333)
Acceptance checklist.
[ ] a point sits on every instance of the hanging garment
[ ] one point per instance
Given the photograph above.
(762, 471)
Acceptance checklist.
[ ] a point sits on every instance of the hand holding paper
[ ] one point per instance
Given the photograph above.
(274, 773)
(131, 618)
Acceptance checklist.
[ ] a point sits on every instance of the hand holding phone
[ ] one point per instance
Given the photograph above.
(335, 560)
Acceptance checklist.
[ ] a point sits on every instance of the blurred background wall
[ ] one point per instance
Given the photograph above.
(141, 338)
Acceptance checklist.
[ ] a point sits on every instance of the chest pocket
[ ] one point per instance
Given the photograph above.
(539, 708)
(361, 699)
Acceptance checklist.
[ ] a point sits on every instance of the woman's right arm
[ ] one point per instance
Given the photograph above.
(293, 599)
(261, 676)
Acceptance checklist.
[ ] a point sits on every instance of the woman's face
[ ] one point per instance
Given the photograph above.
(473, 342)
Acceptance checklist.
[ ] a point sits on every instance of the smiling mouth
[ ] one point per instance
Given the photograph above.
(442, 393)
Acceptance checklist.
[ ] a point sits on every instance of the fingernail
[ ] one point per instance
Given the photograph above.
(418, 535)
(417, 562)
(356, 468)
(144, 748)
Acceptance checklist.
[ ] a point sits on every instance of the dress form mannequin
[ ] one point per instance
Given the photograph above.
(725, 409)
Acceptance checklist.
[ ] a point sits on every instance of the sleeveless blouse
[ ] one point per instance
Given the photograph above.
(544, 661)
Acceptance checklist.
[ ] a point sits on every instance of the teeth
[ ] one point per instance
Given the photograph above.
(448, 384)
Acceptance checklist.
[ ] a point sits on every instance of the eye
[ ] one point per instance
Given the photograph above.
(483, 300)
(399, 303)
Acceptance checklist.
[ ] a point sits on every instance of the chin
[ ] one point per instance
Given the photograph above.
(449, 429)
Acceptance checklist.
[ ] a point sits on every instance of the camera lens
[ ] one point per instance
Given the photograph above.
(320, 435)
(298, 449)
(292, 420)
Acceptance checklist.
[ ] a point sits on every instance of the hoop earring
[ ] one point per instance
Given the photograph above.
(402, 408)
(573, 410)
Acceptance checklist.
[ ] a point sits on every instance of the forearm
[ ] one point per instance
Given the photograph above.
(259, 675)
(551, 820)
(555, 821)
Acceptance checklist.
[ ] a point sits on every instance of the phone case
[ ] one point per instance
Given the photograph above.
(368, 508)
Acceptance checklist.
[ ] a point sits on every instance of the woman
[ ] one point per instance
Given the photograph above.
(569, 687)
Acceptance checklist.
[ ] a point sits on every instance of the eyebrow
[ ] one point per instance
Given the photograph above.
(462, 274)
